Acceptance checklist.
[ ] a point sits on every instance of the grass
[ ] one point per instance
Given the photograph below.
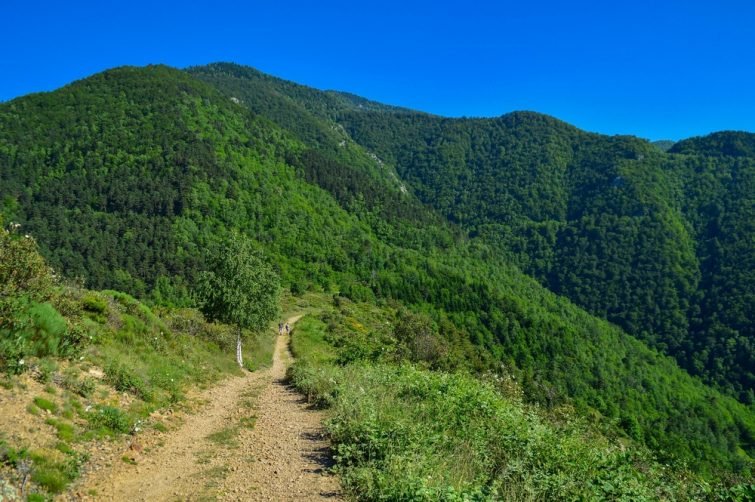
(248, 422)
(227, 437)
(48, 470)
(110, 420)
(259, 349)
(45, 404)
(65, 430)
(313, 344)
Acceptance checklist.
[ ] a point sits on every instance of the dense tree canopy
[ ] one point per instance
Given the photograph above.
(240, 287)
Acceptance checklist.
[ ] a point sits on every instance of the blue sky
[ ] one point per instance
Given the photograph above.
(660, 69)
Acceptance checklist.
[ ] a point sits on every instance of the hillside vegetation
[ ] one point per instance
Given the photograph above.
(128, 179)
(401, 432)
(79, 367)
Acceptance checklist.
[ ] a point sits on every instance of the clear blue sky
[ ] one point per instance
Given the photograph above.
(657, 69)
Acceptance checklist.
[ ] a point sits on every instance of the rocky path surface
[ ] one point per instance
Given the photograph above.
(254, 439)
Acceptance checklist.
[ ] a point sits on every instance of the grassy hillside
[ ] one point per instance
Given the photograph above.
(401, 432)
(128, 178)
(79, 366)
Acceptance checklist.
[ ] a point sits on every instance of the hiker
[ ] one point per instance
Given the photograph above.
(280, 328)
(287, 329)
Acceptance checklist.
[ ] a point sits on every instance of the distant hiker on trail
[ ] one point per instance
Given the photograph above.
(287, 329)
(280, 328)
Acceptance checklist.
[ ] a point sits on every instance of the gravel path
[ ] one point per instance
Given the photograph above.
(254, 439)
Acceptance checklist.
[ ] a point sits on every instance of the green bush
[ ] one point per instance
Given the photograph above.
(23, 271)
(94, 304)
(65, 430)
(37, 330)
(124, 380)
(46, 369)
(50, 478)
(54, 476)
(112, 419)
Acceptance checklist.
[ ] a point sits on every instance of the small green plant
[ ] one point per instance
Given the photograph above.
(53, 475)
(86, 386)
(248, 422)
(125, 380)
(50, 478)
(110, 420)
(83, 387)
(45, 370)
(11, 456)
(225, 437)
(66, 431)
(64, 447)
(46, 404)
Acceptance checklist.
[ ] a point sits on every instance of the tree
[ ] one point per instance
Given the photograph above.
(240, 287)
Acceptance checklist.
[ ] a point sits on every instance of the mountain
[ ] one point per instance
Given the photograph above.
(663, 144)
(128, 177)
(719, 144)
(607, 221)
(610, 222)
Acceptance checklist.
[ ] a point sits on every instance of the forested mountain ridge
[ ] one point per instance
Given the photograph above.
(126, 178)
(610, 222)
(607, 221)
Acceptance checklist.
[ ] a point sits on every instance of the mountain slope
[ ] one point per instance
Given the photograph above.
(126, 178)
(608, 221)
(604, 220)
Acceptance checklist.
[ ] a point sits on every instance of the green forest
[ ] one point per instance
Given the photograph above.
(600, 272)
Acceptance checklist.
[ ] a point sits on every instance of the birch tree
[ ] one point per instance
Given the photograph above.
(240, 288)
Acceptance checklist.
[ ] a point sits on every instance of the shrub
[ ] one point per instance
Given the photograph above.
(46, 369)
(37, 329)
(111, 418)
(23, 271)
(124, 380)
(94, 304)
(50, 478)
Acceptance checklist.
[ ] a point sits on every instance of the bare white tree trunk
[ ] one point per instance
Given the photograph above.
(239, 358)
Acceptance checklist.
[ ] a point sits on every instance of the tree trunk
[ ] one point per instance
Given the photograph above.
(239, 358)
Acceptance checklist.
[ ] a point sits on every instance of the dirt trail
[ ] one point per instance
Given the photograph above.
(254, 439)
